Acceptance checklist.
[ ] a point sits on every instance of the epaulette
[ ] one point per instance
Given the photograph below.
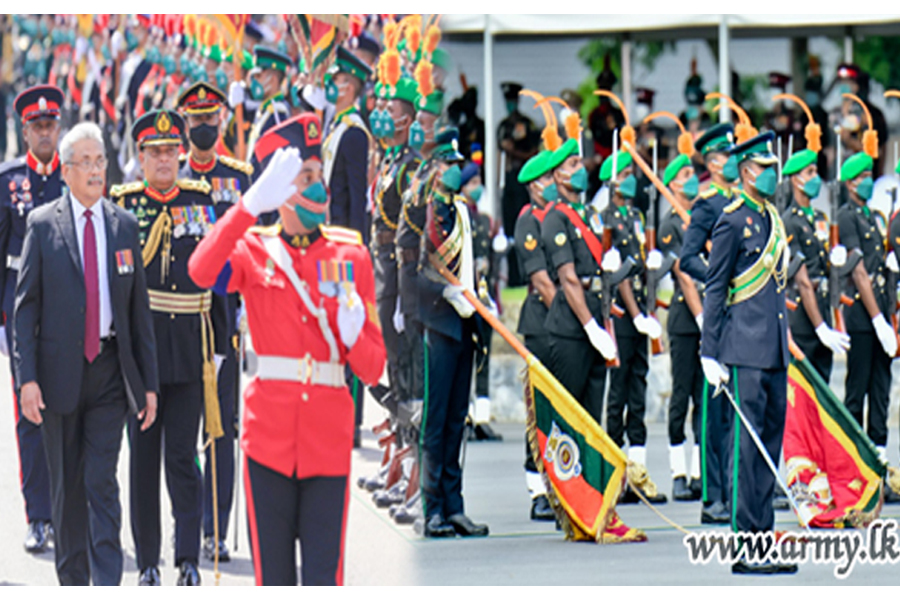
(182, 157)
(238, 165)
(194, 185)
(266, 230)
(12, 165)
(124, 189)
(735, 204)
(341, 235)
(709, 193)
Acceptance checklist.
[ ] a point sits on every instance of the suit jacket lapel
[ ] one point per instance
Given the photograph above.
(67, 228)
(112, 234)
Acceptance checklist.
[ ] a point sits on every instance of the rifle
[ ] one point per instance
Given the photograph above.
(836, 273)
(654, 275)
(890, 275)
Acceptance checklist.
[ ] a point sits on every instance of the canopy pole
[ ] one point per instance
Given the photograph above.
(848, 45)
(626, 72)
(724, 68)
(490, 133)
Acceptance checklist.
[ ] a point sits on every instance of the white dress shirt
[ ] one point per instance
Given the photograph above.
(99, 221)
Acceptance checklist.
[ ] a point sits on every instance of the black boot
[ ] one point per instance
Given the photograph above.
(680, 490)
(541, 509)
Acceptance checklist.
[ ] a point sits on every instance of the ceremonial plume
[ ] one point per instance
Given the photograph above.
(813, 132)
(626, 134)
(685, 140)
(550, 134)
(870, 137)
(744, 130)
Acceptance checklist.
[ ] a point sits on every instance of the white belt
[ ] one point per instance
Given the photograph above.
(305, 370)
(13, 262)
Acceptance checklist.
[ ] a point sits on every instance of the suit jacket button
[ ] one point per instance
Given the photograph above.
(174, 287)
(172, 317)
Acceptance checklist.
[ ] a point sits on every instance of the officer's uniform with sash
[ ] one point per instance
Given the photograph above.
(228, 179)
(692, 260)
(807, 234)
(275, 109)
(188, 334)
(25, 184)
(868, 366)
(745, 330)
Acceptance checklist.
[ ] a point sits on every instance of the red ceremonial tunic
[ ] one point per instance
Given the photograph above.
(296, 429)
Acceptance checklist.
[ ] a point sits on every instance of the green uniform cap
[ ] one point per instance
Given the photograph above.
(536, 167)
(569, 148)
(855, 165)
(440, 58)
(246, 59)
(757, 149)
(447, 144)
(799, 161)
(432, 103)
(682, 161)
(214, 53)
(267, 58)
(406, 89)
(346, 62)
(718, 138)
(623, 160)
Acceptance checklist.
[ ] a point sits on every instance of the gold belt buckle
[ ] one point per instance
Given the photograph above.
(305, 369)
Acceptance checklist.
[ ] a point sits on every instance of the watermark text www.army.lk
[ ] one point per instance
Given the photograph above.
(878, 543)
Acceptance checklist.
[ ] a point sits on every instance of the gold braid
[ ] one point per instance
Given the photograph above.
(160, 233)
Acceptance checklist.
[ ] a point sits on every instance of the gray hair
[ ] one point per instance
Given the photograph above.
(82, 131)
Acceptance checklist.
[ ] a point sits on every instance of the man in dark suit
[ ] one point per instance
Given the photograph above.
(84, 358)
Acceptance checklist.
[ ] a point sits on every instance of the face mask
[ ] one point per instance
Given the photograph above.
(184, 65)
(579, 180)
(813, 98)
(131, 41)
(257, 92)
(375, 123)
(153, 56)
(692, 113)
(691, 187)
(765, 183)
(388, 126)
(221, 79)
(201, 76)
(107, 56)
(730, 170)
(452, 178)
(550, 193)
(844, 88)
(168, 64)
(315, 193)
(811, 188)
(416, 135)
(864, 189)
(511, 106)
(477, 193)
(204, 136)
(628, 187)
(331, 91)
(294, 95)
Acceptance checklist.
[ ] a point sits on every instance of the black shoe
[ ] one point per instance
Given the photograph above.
(484, 433)
(36, 537)
(149, 577)
(402, 516)
(435, 527)
(766, 568)
(696, 488)
(464, 526)
(385, 498)
(715, 514)
(209, 550)
(629, 497)
(188, 574)
(541, 509)
(680, 490)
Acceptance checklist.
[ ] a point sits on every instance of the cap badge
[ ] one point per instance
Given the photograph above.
(42, 103)
(202, 94)
(163, 124)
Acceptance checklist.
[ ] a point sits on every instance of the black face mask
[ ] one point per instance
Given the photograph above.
(204, 136)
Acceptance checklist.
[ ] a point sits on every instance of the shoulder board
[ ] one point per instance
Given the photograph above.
(194, 185)
(266, 230)
(182, 157)
(709, 193)
(125, 189)
(734, 205)
(341, 235)
(238, 165)
(12, 165)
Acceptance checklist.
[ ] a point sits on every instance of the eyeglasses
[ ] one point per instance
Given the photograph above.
(88, 164)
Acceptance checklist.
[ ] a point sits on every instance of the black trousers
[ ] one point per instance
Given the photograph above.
(83, 453)
(687, 386)
(228, 394)
(392, 345)
(868, 374)
(483, 367)
(715, 423)
(282, 510)
(412, 359)
(762, 396)
(820, 357)
(539, 345)
(447, 395)
(581, 370)
(628, 390)
(176, 427)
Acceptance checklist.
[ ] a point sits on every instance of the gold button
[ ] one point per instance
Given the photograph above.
(174, 287)
(303, 318)
(305, 397)
(780, 316)
(302, 252)
(172, 317)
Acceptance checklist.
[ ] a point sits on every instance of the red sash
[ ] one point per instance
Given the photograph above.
(593, 244)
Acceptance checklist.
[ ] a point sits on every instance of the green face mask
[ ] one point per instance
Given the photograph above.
(691, 187)
(477, 193)
(315, 193)
(331, 91)
(416, 135)
(811, 188)
(452, 178)
(168, 64)
(864, 189)
(221, 79)
(550, 193)
(579, 180)
(766, 182)
(388, 128)
(628, 187)
(257, 92)
(730, 170)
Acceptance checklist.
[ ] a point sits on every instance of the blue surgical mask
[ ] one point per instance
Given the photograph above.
(844, 88)
(375, 123)
(331, 91)
(628, 187)
(452, 178)
(168, 64)
(314, 193)
(691, 187)
(416, 135)
(579, 180)
(766, 182)
(184, 65)
(812, 186)
(477, 193)
(730, 170)
(864, 189)
(257, 92)
(813, 98)
(131, 41)
(388, 127)
(550, 193)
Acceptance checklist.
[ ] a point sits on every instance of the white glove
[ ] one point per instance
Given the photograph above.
(454, 295)
(699, 319)
(837, 341)
(351, 316)
(4, 350)
(218, 359)
(612, 261)
(654, 260)
(600, 339)
(314, 96)
(235, 94)
(116, 43)
(500, 243)
(648, 326)
(399, 320)
(838, 256)
(886, 335)
(714, 372)
(275, 185)
(891, 263)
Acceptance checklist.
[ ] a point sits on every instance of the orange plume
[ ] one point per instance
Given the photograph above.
(685, 140)
(413, 37)
(391, 30)
(573, 126)
(627, 133)
(190, 25)
(392, 67)
(432, 39)
(744, 130)
(549, 135)
(813, 131)
(424, 78)
(870, 137)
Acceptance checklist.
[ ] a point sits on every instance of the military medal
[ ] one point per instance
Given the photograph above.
(124, 262)
(179, 220)
(332, 274)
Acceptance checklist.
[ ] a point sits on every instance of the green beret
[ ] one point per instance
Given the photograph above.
(440, 58)
(799, 161)
(569, 148)
(623, 160)
(432, 103)
(213, 53)
(718, 138)
(246, 59)
(536, 167)
(855, 165)
(682, 161)
(406, 89)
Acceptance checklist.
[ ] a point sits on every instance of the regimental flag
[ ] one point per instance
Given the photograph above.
(584, 468)
(834, 471)
(319, 36)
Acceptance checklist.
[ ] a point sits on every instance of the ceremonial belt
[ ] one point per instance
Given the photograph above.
(304, 370)
(409, 255)
(756, 276)
(13, 262)
(383, 238)
(182, 304)
(593, 244)
(592, 284)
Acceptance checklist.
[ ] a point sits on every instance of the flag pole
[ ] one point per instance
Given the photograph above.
(237, 55)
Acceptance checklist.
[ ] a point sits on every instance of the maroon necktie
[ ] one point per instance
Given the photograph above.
(92, 292)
